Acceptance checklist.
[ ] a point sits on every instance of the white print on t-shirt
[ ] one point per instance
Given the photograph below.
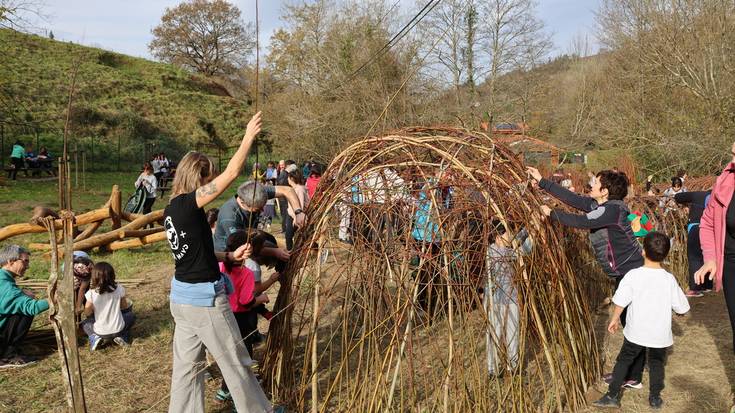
(173, 239)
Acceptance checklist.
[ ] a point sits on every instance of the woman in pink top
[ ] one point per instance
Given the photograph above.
(717, 236)
(315, 175)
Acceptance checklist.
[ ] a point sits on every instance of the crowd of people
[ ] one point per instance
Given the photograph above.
(218, 290)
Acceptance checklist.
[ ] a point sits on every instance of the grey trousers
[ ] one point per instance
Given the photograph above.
(216, 329)
(502, 337)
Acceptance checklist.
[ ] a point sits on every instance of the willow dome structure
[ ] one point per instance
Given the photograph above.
(385, 306)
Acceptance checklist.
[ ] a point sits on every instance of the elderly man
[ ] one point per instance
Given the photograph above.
(243, 211)
(17, 307)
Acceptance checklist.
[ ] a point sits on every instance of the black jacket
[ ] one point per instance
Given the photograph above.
(695, 200)
(616, 247)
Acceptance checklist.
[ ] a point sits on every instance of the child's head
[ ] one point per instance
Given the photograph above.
(497, 230)
(212, 216)
(656, 246)
(676, 182)
(239, 238)
(103, 278)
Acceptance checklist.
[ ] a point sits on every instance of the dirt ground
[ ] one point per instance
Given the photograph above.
(700, 370)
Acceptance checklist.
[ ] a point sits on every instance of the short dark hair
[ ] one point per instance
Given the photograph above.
(241, 237)
(212, 216)
(676, 182)
(103, 278)
(656, 245)
(497, 229)
(616, 184)
(296, 176)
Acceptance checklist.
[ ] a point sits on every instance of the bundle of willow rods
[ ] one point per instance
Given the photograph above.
(391, 323)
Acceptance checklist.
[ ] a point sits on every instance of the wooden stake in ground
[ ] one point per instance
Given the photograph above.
(61, 294)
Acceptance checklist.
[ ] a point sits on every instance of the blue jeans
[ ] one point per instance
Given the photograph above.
(128, 317)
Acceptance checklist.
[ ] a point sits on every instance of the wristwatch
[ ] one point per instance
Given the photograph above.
(298, 211)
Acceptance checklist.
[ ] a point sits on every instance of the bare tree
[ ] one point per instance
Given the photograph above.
(21, 15)
(507, 25)
(206, 36)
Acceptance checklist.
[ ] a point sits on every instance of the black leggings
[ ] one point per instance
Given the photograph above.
(694, 256)
(18, 164)
(247, 322)
(728, 286)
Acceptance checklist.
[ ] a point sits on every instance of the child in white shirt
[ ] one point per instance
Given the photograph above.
(650, 293)
(110, 314)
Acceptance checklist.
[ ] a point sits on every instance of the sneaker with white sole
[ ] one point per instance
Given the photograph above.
(120, 342)
(632, 384)
(94, 342)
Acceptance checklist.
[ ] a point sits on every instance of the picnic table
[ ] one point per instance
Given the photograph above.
(36, 168)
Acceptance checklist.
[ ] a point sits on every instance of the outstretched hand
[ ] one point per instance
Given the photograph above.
(534, 173)
(709, 267)
(253, 128)
(546, 210)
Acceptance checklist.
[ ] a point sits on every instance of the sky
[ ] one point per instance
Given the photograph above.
(125, 25)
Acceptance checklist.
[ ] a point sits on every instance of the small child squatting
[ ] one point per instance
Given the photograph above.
(650, 293)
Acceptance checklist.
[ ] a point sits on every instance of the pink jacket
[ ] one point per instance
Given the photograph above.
(712, 227)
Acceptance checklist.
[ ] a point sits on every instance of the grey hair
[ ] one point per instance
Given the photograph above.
(11, 253)
(252, 194)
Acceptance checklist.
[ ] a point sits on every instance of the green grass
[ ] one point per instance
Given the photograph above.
(118, 97)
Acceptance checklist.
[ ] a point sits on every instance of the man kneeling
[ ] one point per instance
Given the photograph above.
(17, 307)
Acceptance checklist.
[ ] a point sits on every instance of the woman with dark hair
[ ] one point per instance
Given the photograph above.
(199, 304)
(150, 184)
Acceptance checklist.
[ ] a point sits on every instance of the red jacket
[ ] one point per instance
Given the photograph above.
(713, 225)
(243, 281)
(311, 184)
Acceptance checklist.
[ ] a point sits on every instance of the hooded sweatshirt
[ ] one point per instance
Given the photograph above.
(713, 225)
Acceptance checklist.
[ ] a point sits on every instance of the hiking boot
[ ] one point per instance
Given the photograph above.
(223, 396)
(632, 384)
(693, 294)
(120, 342)
(16, 361)
(655, 402)
(94, 342)
(608, 401)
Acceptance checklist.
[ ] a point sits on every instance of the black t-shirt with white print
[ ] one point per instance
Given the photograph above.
(190, 239)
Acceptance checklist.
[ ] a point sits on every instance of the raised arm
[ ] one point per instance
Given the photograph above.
(212, 190)
(570, 198)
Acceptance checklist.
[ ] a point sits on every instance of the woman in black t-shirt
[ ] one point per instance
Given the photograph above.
(199, 302)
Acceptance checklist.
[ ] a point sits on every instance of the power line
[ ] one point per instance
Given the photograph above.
(394, 40)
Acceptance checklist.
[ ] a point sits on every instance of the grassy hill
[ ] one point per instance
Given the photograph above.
(146, 106)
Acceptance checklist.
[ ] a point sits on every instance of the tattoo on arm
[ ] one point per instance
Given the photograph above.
(208, 189)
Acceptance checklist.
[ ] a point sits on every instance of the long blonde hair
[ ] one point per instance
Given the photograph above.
(191, 172)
